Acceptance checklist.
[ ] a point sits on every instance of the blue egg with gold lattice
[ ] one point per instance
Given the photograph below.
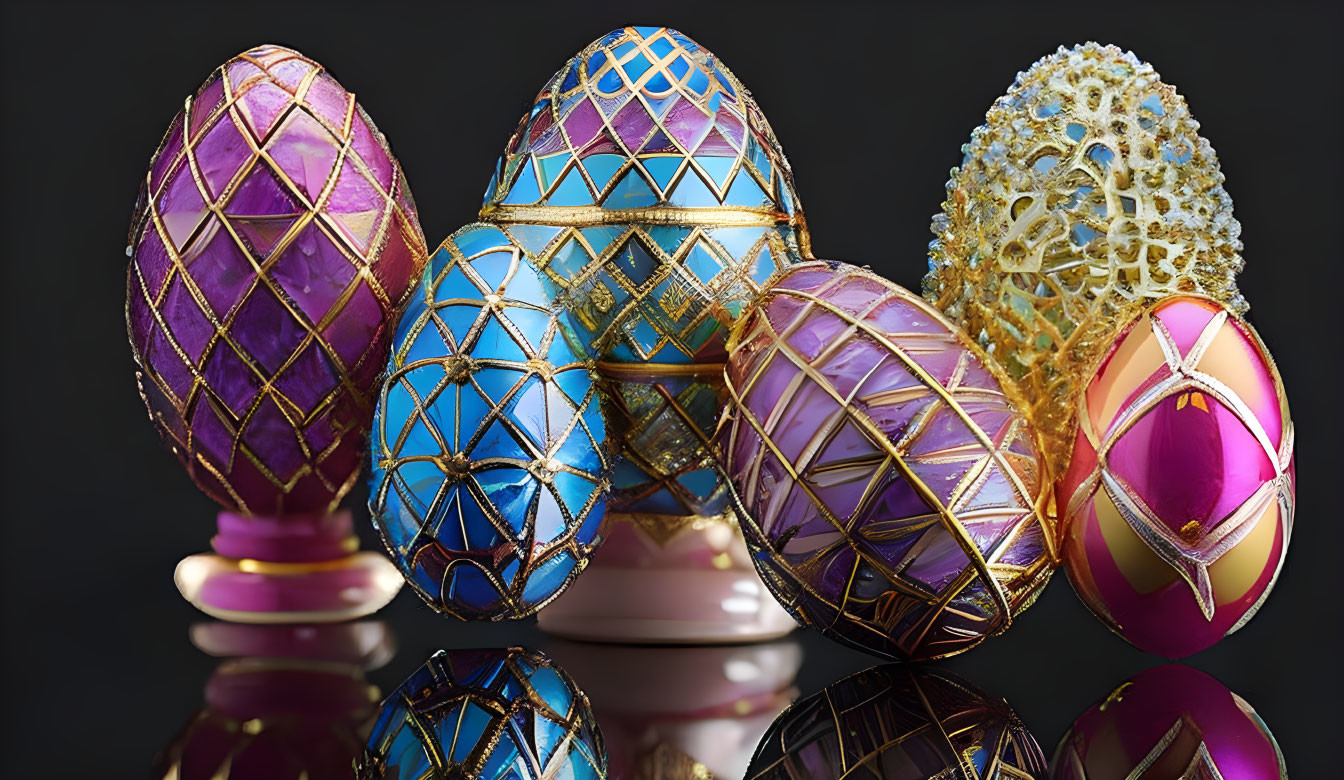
(647, 185)
(488, 714)
(489, 448)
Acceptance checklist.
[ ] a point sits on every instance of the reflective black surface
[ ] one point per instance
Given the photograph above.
(99, 672)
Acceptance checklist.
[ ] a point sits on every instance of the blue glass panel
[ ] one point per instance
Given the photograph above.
(526, 286)
(623, 49)
(551, 166)
(662, 46)
(552, 690)
(531, 322)
(634, 261)
(601, 167)
(738, 240)
(718, 168)
(571, 78)
(498, 443)
(635, 66)
(630, 193)
(547, 579)
(647, 32)
(574, 490)
(698, 82)
(572, 191)
(533, 238)
(511, 490)
(493, 268)
(468, 585)
(528, 410)
(472, 410)
(504, 754)
(658, 83)
(1075, 131)
(570, 260)
(679, 66)
(1102, 155)
(480, 533)
(496, 343)
(669, 237)
(610, 81)
(597, 60)
(470, 729)
(407, 758)
(725, 82)
(599, 238)
(550, 521)
(692, 192)
(459, 320)
(700, 483)
(577, 451)
(746, 192)
(702, 264)
(524, 188)
(662, 169)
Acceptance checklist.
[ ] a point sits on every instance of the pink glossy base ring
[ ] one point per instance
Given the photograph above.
(301, 568)
(666, 606)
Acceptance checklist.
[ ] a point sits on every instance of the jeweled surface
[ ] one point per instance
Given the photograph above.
(900, 723)
(1172, 721)
(274, 241)
(488, 447)
(1087, 192)
(487, 714)
(889, 486)
(1180, 491)
(647, 185)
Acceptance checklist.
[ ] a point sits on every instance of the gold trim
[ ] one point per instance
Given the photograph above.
(588, 216)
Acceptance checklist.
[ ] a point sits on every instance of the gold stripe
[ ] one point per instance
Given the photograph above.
(723, 216)
(282, 569)
(652, 371)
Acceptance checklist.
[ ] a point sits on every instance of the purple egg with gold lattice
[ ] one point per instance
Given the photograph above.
(271, 251)
(274, 242)
(887, 483)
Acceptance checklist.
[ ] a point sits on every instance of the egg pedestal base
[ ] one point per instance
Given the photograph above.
(649, 584)
(290, 569)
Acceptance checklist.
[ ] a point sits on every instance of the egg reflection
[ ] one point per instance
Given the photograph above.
(1172, 721)
(898, 722)
(288, 701)
(693, 712)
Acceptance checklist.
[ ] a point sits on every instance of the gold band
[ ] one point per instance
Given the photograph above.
(582, 216)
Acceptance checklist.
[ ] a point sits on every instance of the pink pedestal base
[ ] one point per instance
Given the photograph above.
(643, 606)
(296, 569)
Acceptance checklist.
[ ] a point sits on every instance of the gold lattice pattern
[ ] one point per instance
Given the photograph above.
(1087, 192)
(274, 240)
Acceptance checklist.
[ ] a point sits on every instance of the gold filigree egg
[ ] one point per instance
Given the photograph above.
(1087, 193)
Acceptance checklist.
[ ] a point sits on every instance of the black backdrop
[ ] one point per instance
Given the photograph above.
(872, 104)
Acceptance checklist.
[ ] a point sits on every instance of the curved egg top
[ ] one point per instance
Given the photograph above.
(274, 241)
(1087, 192)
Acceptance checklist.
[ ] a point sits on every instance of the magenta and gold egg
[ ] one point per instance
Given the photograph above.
(1179, 496)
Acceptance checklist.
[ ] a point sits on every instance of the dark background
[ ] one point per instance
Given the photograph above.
(871, 103)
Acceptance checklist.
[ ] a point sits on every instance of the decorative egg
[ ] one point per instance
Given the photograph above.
(647, 185)
(1172, 721)
(1179, 495)
(487, 714)
(888, 485)
(900, 723)
(1087, 192)
(274, 242)
(489, 462)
